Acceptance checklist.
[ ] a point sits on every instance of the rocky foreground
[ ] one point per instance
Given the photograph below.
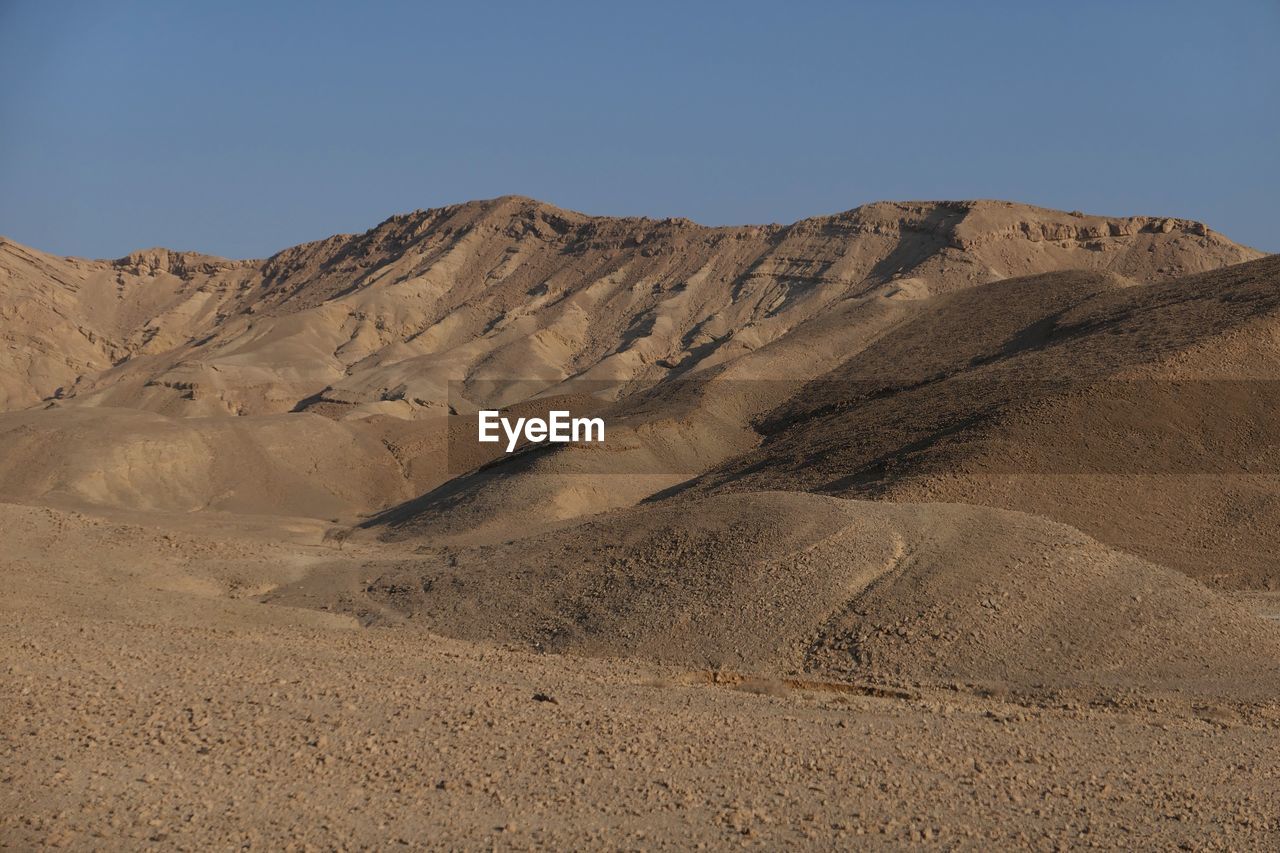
(142, 711)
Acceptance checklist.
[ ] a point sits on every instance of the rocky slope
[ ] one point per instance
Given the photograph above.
(785, 582)
(333, 366)
(510, 289)
(1143, 416)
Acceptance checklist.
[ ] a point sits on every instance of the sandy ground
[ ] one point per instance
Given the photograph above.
(142, 713)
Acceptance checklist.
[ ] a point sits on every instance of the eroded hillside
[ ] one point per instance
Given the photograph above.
(510, 289)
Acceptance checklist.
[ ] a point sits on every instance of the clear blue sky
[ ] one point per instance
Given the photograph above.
(242, 128)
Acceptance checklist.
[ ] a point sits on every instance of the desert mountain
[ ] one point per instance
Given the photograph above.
(978, 352)
(168, 380)
(1142, 415)
(511, 289)
(916, 450)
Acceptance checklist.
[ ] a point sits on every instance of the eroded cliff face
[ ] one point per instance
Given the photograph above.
(510, 289)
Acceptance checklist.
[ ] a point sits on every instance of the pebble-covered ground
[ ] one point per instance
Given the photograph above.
(141, 709)
(128, 735)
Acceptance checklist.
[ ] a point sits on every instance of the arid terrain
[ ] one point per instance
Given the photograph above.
(942, 523)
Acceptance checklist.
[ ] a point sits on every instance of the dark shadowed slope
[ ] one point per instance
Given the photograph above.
(1144, 416)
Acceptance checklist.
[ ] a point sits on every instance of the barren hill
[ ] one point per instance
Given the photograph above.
(1143, 416)
(506, 299)
(509, 289)
(785, 582)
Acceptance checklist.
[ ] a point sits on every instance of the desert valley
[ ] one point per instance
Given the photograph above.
(950, 523)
